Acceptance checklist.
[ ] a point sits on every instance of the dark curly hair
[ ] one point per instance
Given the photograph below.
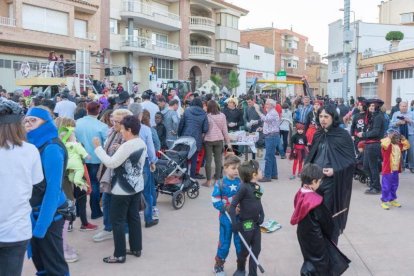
(331, 110)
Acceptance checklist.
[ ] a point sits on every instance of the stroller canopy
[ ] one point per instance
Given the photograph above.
(188, 141)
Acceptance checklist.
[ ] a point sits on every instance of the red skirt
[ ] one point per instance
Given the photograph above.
(310, 133)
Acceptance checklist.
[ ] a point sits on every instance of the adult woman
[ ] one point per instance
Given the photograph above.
(16, 187)
(285, 125)
(217, 132)
(234, 117)
(48, 196)
(333, 150)
(311, 122)
(127, 184)
(80, 110)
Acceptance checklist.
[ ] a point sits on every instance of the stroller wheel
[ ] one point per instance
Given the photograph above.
(178, 199)
(194, 190)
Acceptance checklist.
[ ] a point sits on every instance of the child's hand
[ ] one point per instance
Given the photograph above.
(88, 157)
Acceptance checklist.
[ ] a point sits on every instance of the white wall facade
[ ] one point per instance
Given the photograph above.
(368, 39)
(255, 61)
(390, 11)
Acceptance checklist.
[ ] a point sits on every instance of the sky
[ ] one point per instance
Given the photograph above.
(307, 17)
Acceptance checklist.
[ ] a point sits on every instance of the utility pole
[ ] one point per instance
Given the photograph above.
(347, 39)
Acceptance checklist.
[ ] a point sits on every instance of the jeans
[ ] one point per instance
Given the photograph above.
(284, 134)
(125, 208)
(11, 257)
(216, 148)
(96, 211)
(372, 154)
(148, 191)
(271, 143)
(106, 206)
(80, 196)
(47, 253)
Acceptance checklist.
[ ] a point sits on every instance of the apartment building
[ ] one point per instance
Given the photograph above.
(186, 40)
(396, 12)
(290, 50)
(31, 29)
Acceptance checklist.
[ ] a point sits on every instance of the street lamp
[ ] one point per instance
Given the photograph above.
(347, 38)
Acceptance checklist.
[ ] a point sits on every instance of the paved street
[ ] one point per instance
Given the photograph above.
(378, 242)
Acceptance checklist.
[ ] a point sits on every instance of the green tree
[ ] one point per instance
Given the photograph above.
(216, 78)
(234, 81)
(394, 35)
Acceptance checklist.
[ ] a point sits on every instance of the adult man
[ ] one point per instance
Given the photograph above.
(342, 110)
(271, 122)
(150, 106)
(253, 123)
(86, 129)
(171, 122)
(396, 107)
(122, 100)
(194, 123)
(304, 110)
(404, 121)
(162, 105)
(372, 137)
(65, 108)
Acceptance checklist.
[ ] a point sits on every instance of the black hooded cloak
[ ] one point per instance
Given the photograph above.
(333, 148)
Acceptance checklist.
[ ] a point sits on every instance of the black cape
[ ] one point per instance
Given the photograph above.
(336, 190)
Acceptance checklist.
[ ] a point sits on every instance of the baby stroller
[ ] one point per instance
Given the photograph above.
(172, 176)
(360, 174)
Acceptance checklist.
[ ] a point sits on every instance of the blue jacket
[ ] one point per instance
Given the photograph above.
(194, 123)
(222, 196)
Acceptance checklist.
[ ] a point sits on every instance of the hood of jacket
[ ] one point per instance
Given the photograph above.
(305, 201)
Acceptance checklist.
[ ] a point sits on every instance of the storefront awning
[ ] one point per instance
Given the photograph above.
(367, 80)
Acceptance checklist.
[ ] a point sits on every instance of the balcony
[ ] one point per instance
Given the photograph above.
(203, 53)
(226, 33)
(147, 15)
(202, 24)
(6, 21)
(143, 46)
(227, 58)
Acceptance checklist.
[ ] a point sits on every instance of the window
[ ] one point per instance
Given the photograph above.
(160, 40)
(228, 20)
(5, 63)
(369, 90)
(407, 18)
(81, 28)
(226, 46)
(44, 20)
(292, 44)
(11, 10)
(165, 68)
(292, 64)
(402, 74)
(256, 57)
(113, 26)
(335, 66)
(135, 34)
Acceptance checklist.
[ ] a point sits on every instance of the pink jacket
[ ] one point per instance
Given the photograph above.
(217, 128)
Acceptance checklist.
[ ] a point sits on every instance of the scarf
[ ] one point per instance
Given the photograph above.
(42, 134)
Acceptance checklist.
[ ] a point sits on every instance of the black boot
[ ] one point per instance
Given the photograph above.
(219, 266)
(241, 268)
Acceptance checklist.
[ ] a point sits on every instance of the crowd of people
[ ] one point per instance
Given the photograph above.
(107, 147)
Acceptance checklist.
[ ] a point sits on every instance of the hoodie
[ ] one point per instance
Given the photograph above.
(194, 123)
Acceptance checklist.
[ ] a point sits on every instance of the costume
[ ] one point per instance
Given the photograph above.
(221, 197)
(250, 217)
(314, 232)
(299, 142)
(311, 126)
(391, 156)
(358, 125)
(333, 148)
(76, 153)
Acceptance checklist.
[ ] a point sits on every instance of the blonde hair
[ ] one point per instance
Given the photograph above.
(64, 122)
(122, 112)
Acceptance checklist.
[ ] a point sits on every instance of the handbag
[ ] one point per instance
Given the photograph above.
(67, 210)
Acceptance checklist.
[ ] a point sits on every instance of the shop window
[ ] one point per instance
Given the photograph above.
(165, 68)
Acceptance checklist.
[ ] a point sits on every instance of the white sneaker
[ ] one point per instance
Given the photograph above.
(102, 236)
(127, 241)
(155, 213)
(71, 257)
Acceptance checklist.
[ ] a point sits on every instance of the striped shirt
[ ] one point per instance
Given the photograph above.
(271, 122)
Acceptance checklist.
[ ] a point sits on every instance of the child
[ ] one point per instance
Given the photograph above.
(391, 149)
(251, 214)
(298, 142)
(222, 196)
(315, 228)
(161, 130)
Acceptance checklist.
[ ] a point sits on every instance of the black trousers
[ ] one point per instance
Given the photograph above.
(125, 208)
(80, 196)
(254, 240)
(284, 134)
(47, 253)
(372, 155)
(11, 257)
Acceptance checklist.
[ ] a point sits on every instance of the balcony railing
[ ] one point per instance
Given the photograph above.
(147, 43)
(7, 21)
(142, 8)
(204, 21)
(202, 51)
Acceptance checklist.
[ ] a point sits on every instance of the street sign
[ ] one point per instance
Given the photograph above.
(281, 76)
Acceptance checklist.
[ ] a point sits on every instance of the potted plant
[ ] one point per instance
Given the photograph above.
(395, 37)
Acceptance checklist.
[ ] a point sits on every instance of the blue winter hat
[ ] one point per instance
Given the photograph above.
(40, 113)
